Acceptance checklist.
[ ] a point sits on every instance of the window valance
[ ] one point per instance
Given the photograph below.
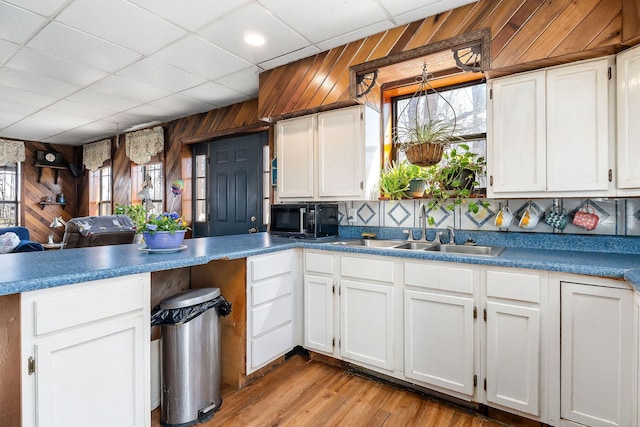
(144, 144)
(11, 152)
(95, 154)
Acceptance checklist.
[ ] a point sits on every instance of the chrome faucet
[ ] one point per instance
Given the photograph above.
(452, 235)
(423, 218)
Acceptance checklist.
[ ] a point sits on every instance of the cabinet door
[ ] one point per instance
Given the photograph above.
(513, 356)
(439, 340)
(295, 153)
(596, 355)
(517, 134)
(318, 313)
(366, 328)
(341, 153)
(628, 96)
(93, 374)
(578, 127)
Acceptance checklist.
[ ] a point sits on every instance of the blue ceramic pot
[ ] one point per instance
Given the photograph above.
(164, 239)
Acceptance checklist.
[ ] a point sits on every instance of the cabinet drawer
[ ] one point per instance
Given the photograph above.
(270, 315)
(264, 266)
(269, 346)
(271, 288)
(455, 279)
(515, 286)
(318, 263)
(367, 268)
(59, 308)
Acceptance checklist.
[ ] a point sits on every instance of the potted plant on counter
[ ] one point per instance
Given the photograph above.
(165, 231)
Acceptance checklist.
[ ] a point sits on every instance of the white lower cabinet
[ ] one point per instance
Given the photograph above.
(514, 302)
(439, 327)
(271, 307)
(596, 354)
(319, 296)
(86, 354)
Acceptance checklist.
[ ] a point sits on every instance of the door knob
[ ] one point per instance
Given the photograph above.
(253, 218)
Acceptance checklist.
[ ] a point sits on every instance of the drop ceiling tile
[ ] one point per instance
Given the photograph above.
(92, 96)
(66, 42)
(55, 68)
(41, 7)
(214, 94)
(289, 57)
(132, 89)
(23, 97)
(229, 32)
(33, 129)
(181, 106)
(356, 35)
(76, 108)
(7, 49)
(33, 83)
(63, 121)
(15, 109)
(147, 113)
(122, 23)
(245, 81)
(332, 19)
(160, 74)
(201, 57)
(190, 14)
(17, 25)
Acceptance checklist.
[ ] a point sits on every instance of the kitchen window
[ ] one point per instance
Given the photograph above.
(9, 194)
(470, 104)
(153, 173)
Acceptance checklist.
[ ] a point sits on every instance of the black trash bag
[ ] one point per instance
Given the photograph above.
(176, 316)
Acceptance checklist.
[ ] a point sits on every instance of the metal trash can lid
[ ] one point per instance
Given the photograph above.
(190, 297)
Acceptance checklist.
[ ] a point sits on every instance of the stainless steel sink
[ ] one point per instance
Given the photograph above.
(469, 250)
(416, 246)
(373, 243)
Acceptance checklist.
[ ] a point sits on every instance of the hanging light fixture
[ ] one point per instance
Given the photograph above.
(426, 124)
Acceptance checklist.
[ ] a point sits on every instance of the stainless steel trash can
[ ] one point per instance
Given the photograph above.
(190, 355)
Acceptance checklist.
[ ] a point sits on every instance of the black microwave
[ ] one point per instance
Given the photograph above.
(304, 220)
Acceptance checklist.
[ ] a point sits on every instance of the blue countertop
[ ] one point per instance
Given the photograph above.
(29, 271)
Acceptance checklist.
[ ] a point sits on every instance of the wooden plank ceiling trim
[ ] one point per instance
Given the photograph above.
(224, 121)
(507, 20)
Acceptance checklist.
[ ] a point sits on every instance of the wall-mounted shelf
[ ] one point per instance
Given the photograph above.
(51, 160)
(56, 172)
(43, 204)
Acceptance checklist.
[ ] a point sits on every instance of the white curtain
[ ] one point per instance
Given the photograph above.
(95, 154)
(11, 152)
(144, 144)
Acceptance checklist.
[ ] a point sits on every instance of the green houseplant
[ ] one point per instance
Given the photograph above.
(396, 177)
(454, 179)
(137, 213)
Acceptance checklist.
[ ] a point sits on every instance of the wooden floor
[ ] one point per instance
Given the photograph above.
(309, 393)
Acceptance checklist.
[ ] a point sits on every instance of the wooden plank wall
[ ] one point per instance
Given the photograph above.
(525, 34)
(35, 218)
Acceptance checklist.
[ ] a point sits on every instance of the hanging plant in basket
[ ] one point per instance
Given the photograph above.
(426, 124)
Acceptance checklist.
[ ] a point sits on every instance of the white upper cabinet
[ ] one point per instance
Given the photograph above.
(628, 112)
(549, 132)
(333, 155)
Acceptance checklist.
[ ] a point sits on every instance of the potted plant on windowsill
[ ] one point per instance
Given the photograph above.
(402, 180)
(454, 179)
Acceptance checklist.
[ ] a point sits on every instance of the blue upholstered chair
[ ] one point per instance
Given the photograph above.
(25, 245)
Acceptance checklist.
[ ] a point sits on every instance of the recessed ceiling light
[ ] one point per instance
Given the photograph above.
(254, 39)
